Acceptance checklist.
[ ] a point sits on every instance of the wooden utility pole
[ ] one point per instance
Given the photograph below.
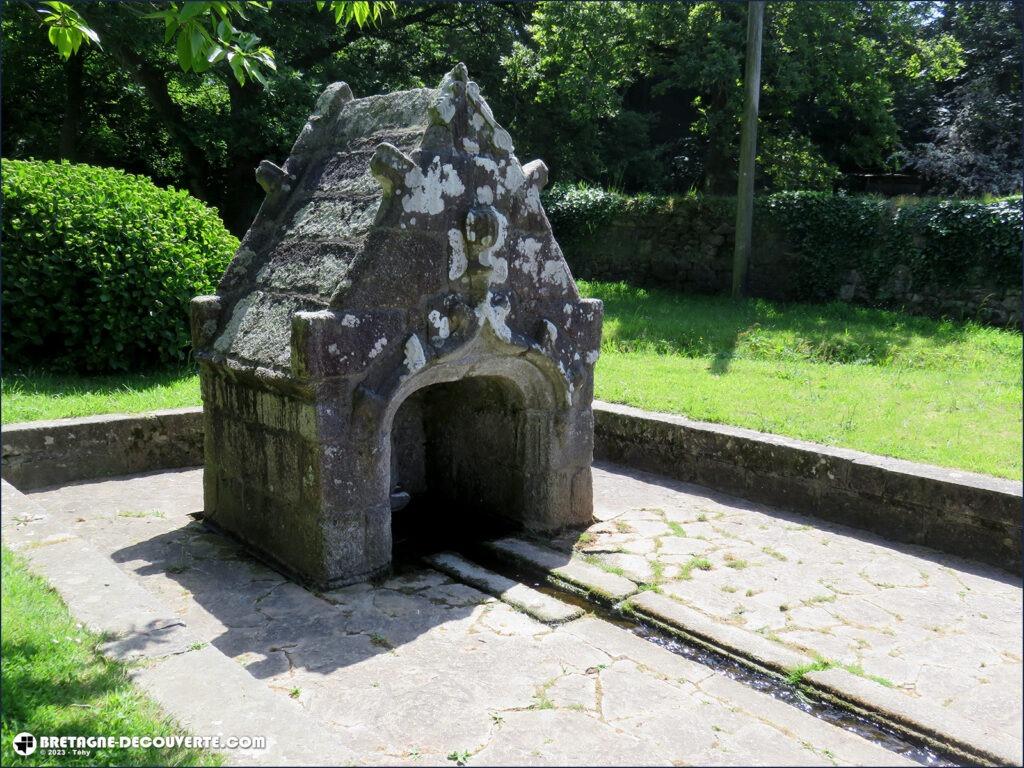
(748, 147)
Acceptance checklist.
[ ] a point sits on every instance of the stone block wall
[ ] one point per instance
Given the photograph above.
(263, 469)
(678, 250)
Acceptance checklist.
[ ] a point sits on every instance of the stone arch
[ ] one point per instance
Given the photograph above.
(472, 438)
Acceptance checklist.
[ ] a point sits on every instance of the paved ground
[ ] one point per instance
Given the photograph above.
(423, 670)
(932, 626)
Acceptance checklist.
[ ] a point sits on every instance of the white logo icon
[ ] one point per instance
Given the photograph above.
(24, 744)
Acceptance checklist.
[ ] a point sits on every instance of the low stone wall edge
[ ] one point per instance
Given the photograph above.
(961, 513)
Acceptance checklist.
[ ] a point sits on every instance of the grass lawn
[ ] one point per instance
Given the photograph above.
(883, 382)
(919, 389)
(56, 684)
(34, 395)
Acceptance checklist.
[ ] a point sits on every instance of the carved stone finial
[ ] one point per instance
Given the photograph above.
(536, 173)
(389, 166)
(273, 178)
(332, 99)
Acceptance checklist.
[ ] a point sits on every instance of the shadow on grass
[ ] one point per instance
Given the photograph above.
(719, 328)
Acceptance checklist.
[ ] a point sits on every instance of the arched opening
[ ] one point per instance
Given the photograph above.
(457, 464)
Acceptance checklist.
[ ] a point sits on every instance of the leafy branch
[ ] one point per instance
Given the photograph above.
(205, 33)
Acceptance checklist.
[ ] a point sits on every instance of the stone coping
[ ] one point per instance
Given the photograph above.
(961, 513)
(38, 454)
(901, 466)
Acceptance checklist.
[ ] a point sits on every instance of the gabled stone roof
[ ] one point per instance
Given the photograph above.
(411, 201)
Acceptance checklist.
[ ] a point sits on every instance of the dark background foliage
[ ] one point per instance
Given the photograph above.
(642, 97)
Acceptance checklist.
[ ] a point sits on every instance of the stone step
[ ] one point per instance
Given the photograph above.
(536, 604)
(605, 587)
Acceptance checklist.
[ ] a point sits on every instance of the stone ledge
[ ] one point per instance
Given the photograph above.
(521, 597)
(38, 454)
(597, 584)
(929, 722)
(747, 647)
(960, 513)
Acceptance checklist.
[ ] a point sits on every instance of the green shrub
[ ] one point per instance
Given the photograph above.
(99, 267)
(579, 209)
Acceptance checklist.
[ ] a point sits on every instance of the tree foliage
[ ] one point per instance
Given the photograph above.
(632, 95)
(205, 32)
(973, 140)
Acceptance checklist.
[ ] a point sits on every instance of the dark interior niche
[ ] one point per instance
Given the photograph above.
(455, 451)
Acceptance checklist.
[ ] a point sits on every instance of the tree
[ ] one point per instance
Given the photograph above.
(649, 96)
(202, 52)
(641, 96)
(972, 143)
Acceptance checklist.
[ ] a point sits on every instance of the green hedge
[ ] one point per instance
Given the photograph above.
(945, 244)
(99, 267)
(809, 241)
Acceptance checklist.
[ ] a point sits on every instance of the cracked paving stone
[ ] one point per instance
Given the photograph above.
(413, 669)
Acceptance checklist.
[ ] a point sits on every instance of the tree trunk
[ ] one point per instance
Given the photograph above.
(74, 101)
(748, 148)
(154, 83)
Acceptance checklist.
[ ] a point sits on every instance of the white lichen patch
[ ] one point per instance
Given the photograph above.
(484, 195)
(499, 270)
(486, 257)
(488, 165)
(333, 349)
(440, 323)
(514, 177)
(495, 314)
(502, 140)
(533, 200)
(378, 347)
(477, 121)
(592, 356)
(350, 321)
(528, 248)
(470, 146)
(428, 190)
(567, 309)
(457, 259)
(554, 272)
(415, 358)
